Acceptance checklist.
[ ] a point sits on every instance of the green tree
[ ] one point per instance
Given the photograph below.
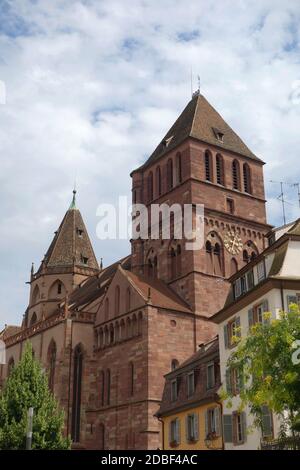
(27, 386)
(267, 357)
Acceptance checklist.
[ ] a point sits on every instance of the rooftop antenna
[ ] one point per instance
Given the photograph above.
(281, 198)
(297, 185)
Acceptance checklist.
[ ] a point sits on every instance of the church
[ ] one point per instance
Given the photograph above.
(107, 336)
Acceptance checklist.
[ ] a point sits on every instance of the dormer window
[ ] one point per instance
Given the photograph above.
(219, 134)
(166, 142)
(79, 232)
(84, 260)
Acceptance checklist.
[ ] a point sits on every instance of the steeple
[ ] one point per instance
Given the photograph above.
(73, 203)
(199, 120)
(71, 246)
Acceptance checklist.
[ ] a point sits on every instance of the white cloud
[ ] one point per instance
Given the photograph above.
(93, 86)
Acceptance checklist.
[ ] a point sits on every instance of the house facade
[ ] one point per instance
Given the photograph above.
(268, 284)
(191, 411)
(107, 336)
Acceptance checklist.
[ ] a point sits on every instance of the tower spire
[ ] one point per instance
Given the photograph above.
(73, 203)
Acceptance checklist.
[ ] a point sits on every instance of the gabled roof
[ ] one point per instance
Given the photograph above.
(71, 245)
(201, 121)
(161, 295)
(8, 331)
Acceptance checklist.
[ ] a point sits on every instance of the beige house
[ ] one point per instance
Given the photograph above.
(269, 283)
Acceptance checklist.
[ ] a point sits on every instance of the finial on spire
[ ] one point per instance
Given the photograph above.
(73, 203)
(101, 264)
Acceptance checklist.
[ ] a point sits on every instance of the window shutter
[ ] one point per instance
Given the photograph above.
(226, 342)
(170, 432)
(228, 381)
(234, 427)
(241, 379)
(267, 422)
(227, 427)
(251, 317)
(217, 421)
(291, 299)
(196, 426)
(187, 432)
(206, 424)
(238, 326)
(177, 431)
(244, 426)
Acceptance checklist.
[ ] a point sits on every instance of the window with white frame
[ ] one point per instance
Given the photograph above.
(174, 432)
(256, 314)
(212, 421)
(192, 427)
(232, 332)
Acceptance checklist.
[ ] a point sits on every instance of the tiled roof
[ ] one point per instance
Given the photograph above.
(71, 244)
(197, 363)
(94, 287)
(201, 121)
(161, 295)
(8, 331)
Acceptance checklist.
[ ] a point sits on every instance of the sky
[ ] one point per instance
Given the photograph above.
(88, 89)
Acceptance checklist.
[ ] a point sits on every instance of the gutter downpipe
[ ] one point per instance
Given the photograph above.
(163, 432)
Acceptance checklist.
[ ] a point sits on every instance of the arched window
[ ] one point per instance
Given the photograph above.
(128, 299)
(101, 387)
(235, 175)
(217, 260)
(108, 379)
(158, 181)
(33, 319)
(117, 301)
(140, 323)
(245, 256)
(174, 364)
(106, 309)
(123, 329)
(178, 168)
(178, 260)
(253, 255)
(100, 338)
(76, 405)
(134, 325)
(220, 169)
(170, 174)
(150, 186)
(10, 366)
(56, 289)
(35, 294)
(111, 334)
(247, 178)
(208, 165)
(150, 268)
(128, 328)
(214, 255)
(131, 379)
(101, 436)
(173, 263)
(106, 336)
(233, 266)
(52, 362)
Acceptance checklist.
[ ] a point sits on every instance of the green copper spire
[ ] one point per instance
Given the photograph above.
(73, 203)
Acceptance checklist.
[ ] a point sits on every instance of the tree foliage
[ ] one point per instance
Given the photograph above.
(26, 387)
(269, 358)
